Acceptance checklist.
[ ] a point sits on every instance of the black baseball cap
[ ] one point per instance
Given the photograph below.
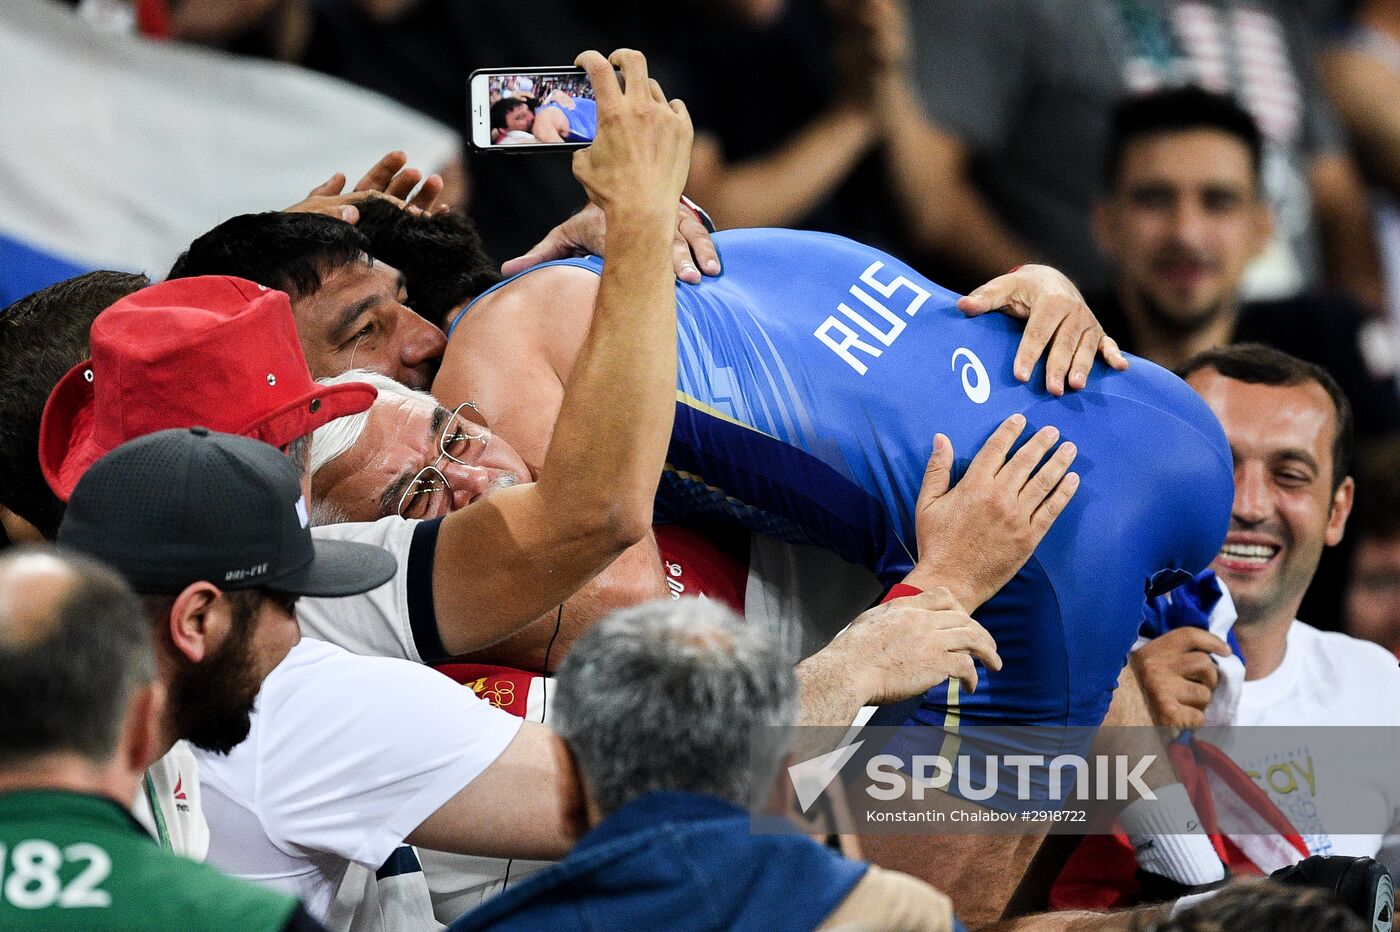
(182, 506)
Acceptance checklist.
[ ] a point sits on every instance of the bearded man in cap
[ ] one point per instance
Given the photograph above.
(346, 755)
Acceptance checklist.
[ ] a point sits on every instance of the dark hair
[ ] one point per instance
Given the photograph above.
(502, 108)
(1264, 904)
(1377, 511)
(1174, 111)
(289, 252)
(42, 336)
(440, 256)
(1258, 364)
(67, 688)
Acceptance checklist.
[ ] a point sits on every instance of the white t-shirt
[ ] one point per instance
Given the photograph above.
(172, 784)
(1328, 775)
(383, 621)
(804, 596)
(347, 755)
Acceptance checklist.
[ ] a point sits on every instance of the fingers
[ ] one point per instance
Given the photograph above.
(1044, 516)
(402, 184)
(940, 601)
(978, 642)
(1048, 477)
(1108, 348)
(330, 187)
(988, 297)
(428, 194)
(1197, 639)
(1199, 668)
(633, 65)
(681, 260)
(992, 456)
(1062, 349)
(542, 251)
(606, 91)
(1184, 718)
(1017, 470)
(1041, 327)
(1195, 695)
(702, 246)
(1084, 355)
(938, 473)
(965, 672)
(679, 108)
(657, 94)
(382, 172)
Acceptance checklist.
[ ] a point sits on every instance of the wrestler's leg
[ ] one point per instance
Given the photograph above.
(978, 872)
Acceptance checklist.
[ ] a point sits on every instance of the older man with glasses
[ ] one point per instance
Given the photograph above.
(407, 455)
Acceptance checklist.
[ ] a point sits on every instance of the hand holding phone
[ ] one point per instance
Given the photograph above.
(641, 156)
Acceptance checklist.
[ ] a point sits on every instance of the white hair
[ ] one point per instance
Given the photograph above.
(334, 438)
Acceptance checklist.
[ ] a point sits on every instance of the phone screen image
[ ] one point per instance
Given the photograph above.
(544, 108)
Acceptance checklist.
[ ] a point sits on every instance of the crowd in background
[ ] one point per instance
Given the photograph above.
(964, 137)
(1220, 179)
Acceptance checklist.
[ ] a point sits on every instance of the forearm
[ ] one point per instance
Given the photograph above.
(631, 579)
(780, 188)
(487, 816)
(1344, 226)
(609, 445)
(831, 691)
(945, 214)
(1363, 90)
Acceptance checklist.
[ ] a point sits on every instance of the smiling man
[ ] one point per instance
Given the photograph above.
(1290, 433)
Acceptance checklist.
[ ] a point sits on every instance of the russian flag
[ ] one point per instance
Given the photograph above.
(116, 151)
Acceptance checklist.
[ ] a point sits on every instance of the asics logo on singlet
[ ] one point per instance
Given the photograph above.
(975, 383)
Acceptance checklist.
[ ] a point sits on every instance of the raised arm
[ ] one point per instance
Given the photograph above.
(503, 561)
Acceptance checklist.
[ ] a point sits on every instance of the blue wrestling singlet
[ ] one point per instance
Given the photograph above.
(813, 375)
(583, 118)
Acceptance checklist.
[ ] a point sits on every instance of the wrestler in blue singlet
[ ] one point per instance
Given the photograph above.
(813, 375)
(583, 118)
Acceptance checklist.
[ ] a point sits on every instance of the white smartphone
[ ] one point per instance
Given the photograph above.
(531, 109)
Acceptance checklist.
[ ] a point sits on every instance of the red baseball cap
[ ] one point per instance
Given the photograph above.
(213, 351)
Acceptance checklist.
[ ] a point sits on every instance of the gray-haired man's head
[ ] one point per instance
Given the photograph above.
(665, 696)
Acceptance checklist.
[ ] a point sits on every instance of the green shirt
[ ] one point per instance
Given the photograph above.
(71, 861)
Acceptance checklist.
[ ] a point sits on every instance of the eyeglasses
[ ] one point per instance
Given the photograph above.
(423, 496)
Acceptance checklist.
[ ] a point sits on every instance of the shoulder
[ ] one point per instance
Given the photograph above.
(328, 682)
(891, 900)
(324, 696)
(393, 533)
(1345, 659)
(530, 294)
(187, 890)
(393, 619)
(546, 310)
(1339, 648)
